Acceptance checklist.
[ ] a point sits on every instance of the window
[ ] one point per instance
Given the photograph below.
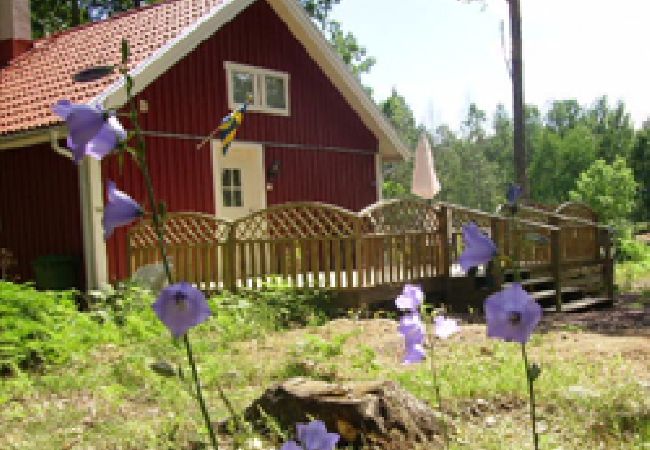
(231, 188)
(269, 88)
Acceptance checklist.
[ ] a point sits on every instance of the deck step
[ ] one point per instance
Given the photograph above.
(582, 304)
(531, 282)
(551, 292)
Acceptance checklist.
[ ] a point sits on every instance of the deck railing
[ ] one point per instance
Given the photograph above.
(392, 242)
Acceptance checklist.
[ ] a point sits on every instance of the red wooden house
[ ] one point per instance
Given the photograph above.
(311, 133)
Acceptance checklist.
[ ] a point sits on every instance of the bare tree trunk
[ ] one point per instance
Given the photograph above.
(518, 97)
(75, 13)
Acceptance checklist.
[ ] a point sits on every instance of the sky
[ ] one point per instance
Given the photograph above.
(443, 54)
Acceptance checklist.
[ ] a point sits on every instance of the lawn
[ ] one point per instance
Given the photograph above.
(594, 391)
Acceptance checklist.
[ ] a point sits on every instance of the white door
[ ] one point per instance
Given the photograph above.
(239, 179)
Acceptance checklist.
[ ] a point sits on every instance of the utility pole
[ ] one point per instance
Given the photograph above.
(518, 97)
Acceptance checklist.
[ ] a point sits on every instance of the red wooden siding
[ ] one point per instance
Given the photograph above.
(39, 206)
(182, 178)
(344, 179)
(190, 98)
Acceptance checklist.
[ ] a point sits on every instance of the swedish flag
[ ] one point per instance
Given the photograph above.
(228, 128)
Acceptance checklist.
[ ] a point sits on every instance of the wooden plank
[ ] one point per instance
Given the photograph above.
(315, 262)
(293, 248)
(348, 246)
(391, 258)
(264, 270)
(305, 261)
(327, 249)
(337, 257)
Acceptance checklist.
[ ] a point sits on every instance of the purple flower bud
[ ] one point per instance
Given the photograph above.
(414, 354)
(444, 327)
(119, 210)
(412, 328)
(512, 314)
(180, 307)
(411, 298)
(90, 131)
(514, 192)
(479, 248)
(314, 436)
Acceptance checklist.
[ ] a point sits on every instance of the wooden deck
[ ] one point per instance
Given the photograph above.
(374, 252)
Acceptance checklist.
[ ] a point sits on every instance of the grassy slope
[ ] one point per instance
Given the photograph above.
(109, 399)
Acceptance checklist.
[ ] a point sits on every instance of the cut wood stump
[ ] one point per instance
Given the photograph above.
(375, 415)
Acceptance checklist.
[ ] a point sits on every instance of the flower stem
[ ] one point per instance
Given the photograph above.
(158, 228)
(436, 386)
(531, 394)
(199, 392)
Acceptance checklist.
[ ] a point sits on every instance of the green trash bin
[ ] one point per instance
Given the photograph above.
(56, 272)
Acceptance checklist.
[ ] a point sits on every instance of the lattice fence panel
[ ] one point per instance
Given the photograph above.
(401, 216)
(299, 221)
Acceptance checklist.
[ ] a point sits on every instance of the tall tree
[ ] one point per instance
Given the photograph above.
(517, 74)
(520, 161)
(640, 163)
(397, 175)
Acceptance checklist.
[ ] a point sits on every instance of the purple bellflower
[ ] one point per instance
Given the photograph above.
(120, 210)
(512, 314)
(445, 327)
(412, 328)
(411, 298)
(513, 194)
(479, 248)
(180, 307)
(90, 130)
(312, 436)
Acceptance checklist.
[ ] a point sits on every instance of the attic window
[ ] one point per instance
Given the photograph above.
(269, 88)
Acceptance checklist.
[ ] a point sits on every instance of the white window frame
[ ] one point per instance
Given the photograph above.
(259, 88)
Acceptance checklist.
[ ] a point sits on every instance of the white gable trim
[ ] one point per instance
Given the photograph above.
(391, 146)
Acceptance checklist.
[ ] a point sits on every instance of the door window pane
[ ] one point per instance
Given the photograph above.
(231, 188)
(242, 85)
(236, 198)
(227, 197)
(275, 92)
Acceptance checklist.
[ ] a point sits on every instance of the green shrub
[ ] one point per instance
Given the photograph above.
(42, 328)
(632, 250)
(250, 313)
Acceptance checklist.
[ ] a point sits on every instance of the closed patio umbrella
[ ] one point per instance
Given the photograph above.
(425, 181)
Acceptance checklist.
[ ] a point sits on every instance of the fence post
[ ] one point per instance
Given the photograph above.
(495, 232)
(556, 261)
(229, 266)
(608, 265)
(444, 230)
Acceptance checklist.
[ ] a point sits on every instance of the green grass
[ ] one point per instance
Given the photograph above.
(103, 394)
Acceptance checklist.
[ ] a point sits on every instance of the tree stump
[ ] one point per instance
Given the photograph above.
(375, 415)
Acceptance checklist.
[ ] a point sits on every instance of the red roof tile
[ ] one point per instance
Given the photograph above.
(35, 80)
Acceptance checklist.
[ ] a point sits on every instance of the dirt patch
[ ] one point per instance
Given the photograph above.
(630, 316)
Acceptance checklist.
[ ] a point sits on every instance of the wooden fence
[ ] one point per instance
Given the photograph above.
(391, 242)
